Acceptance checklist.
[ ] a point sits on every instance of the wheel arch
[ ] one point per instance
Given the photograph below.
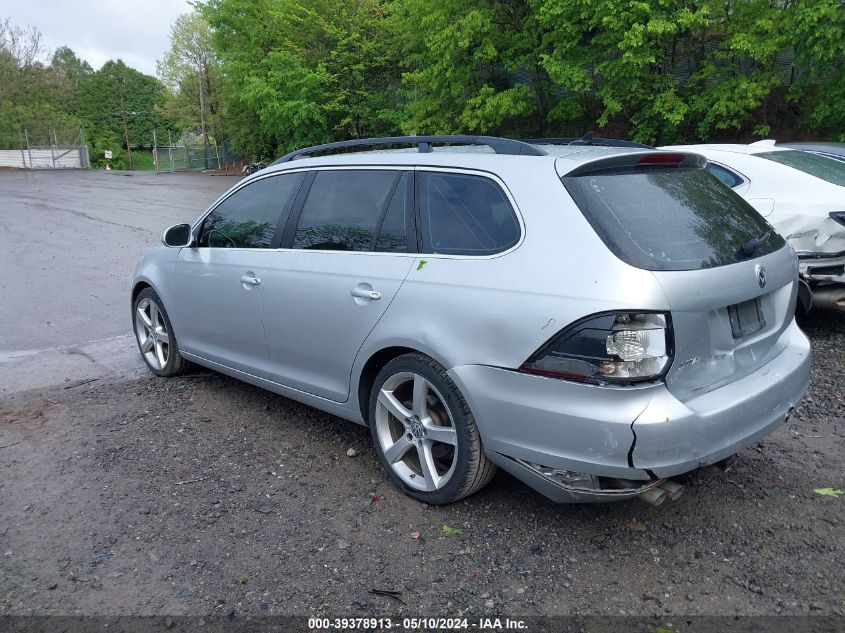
(374, 365)
(139, 287)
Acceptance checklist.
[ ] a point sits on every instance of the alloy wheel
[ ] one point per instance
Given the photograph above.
(416, 431)
(151, 330)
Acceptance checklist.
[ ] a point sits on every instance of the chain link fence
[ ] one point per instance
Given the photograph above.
(47, 150)
(188, 154)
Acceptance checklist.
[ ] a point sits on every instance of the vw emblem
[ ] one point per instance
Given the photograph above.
(761, 276)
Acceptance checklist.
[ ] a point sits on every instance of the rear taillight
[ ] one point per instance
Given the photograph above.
(616, 347)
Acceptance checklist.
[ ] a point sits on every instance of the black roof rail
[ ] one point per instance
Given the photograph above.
(588, 139)
(497, 144)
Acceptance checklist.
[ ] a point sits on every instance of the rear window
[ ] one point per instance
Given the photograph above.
(673, 218)
(814, 164)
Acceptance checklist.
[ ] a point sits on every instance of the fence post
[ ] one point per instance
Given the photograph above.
(84, 160)
(23, 156)
(28, 148)
(170, 149)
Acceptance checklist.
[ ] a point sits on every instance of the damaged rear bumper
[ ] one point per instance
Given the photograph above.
(678, 437)
(825, 274)
(629, 439)
(822, 267)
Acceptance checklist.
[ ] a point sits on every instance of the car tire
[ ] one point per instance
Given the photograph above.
(424, 432)
(155, 337)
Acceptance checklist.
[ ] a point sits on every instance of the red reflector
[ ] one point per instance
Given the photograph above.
(661, 159)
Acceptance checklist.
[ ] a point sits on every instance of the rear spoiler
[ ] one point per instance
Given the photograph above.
(628, 160)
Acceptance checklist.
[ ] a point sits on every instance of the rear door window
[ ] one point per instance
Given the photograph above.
(249, 217)
(346, 210)
(462, 214)
(671, 218)
(813, 164)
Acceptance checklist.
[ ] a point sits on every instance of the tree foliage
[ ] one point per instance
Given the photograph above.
(301, 72)
(28, 98)
(280, 74)
(473, 66)
(190, 71)
(677, 70)
(43, 101)
(98, 105)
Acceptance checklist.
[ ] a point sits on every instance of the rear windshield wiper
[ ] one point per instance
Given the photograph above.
(750, 248)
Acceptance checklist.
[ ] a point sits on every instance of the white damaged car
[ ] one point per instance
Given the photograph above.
(802, 195)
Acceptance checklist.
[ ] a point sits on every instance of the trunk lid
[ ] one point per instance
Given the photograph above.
(726, 324)
(730, 280)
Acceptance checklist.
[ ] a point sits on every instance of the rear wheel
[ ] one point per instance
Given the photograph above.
(424, 432)
(155, 336)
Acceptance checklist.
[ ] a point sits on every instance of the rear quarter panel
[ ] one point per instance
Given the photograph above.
(498, 310)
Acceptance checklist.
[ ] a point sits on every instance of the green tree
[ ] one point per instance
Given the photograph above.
(69, 72)
(817, 35)
(670, 70)
(30, 101)
(301, 72)
(190, 71)
(101, 108)
(473, 66)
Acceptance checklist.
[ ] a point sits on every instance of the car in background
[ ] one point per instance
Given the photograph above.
(592, 319)
(801, 194)
(836, 151)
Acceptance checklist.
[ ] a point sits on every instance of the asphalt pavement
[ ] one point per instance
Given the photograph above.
(69, 242)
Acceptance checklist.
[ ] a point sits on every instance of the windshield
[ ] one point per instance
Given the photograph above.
(671, 218)
(814, 164)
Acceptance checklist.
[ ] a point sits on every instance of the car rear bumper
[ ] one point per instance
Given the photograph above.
(531, 424)
(826, 274)
(822, 267)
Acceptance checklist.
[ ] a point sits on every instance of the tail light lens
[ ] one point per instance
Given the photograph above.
(617, 347)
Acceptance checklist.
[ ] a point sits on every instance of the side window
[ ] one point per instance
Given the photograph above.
(725, 175)
(248, 218)
(345, 208)
(464, 215)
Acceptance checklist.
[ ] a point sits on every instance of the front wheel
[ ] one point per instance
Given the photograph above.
(155, 337)
(425, 434)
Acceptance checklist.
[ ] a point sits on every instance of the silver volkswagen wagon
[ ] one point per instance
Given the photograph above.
(593, 319)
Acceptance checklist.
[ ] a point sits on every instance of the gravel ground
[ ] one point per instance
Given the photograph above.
(202, 495)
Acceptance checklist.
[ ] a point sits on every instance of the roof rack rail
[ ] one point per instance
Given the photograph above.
(588, 139)
(497, 144)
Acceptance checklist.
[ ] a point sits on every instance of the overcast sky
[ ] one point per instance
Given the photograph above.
(136, 31)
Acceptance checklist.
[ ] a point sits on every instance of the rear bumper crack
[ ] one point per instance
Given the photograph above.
(634, 433)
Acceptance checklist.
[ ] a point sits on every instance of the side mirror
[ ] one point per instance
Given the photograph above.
(178, 235)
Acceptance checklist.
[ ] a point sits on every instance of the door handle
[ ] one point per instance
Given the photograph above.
(252, 281)
(362, 293)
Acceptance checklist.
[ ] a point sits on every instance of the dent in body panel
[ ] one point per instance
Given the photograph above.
(707, 355)
(811, 233)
